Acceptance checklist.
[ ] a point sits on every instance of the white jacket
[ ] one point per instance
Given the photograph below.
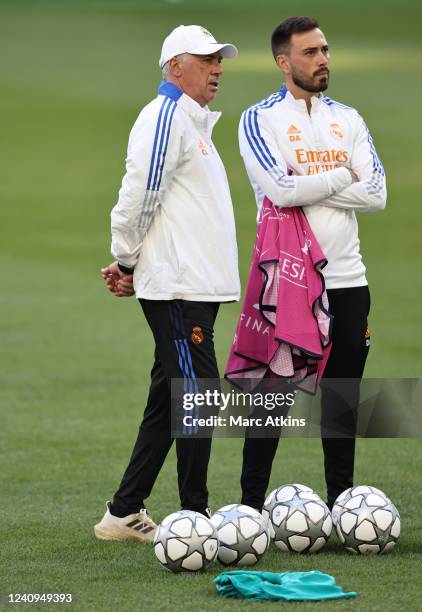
(173, 221)
(279, 137)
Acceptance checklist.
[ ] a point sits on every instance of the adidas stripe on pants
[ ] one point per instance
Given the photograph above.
(176, 356)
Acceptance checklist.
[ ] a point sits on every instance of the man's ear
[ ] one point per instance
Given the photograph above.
(283, 62)
(175, 68)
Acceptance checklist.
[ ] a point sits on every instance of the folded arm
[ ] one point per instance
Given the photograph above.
(267, 169)
(369, 193)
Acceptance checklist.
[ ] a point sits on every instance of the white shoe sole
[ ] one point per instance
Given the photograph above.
(117, 535)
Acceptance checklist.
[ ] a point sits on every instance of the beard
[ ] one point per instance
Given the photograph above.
(309, 84)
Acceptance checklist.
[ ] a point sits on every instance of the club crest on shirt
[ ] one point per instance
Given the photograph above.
(336, 131)
(203, 147)
(197, 335)
(294, 133)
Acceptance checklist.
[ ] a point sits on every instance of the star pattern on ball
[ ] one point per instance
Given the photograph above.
(309, 533)
(244, 546)
(194, 542)
(233, 516)
(295, 503)
(364, 512)
(314, 530)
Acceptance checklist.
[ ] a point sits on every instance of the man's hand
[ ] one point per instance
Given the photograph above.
(355, 178)
(118, 283)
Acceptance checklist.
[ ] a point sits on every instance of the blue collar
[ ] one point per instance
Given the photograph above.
(283, 89)
(170, 90)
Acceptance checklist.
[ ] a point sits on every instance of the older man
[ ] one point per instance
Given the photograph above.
(173, 236)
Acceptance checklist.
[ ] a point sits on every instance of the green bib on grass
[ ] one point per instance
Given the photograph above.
(294, 586)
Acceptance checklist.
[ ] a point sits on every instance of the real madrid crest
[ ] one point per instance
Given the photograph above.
(336, 131)
(197, 335)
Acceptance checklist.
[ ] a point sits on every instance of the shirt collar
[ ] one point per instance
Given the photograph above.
(298, 103)
(202, 115)
(170, 90)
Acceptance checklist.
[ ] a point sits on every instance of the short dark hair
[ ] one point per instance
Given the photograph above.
(280, 38)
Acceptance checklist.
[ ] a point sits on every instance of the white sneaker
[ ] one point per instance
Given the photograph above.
(138, 526)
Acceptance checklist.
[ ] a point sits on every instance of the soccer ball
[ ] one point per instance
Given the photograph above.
(285, 493)
(368, 523)
(242, 533)
(300, 524)
(348, 494)
(185, 541)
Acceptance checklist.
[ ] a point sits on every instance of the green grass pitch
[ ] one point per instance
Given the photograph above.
(75, 362)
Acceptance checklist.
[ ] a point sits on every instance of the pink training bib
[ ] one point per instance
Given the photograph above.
(284, 327)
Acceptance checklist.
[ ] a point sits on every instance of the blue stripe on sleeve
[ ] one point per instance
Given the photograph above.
(161, 151)
(253, 134)
(264, 144)
(376, 162)
(154, 148)
(249, 132)
(330, 102)
(245, 129)
(160, 174)
(256, 147)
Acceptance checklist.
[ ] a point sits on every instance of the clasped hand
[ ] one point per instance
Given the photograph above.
(118, 283)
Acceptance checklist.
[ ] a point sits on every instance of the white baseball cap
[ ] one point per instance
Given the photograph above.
(195, 40)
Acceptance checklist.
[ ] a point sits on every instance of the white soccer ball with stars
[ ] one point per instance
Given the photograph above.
(368, 523)
(285, 493)
(185, 541)
(344, 497)
(300, 524)
(243, 534)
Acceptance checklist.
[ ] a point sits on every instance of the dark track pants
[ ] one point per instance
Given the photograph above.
(176, 356)
(350, 307)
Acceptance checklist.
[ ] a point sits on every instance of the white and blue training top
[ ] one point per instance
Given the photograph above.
(174, 221)
(291, 156)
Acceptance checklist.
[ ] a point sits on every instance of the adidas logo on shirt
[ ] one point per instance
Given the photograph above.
(294, 133)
